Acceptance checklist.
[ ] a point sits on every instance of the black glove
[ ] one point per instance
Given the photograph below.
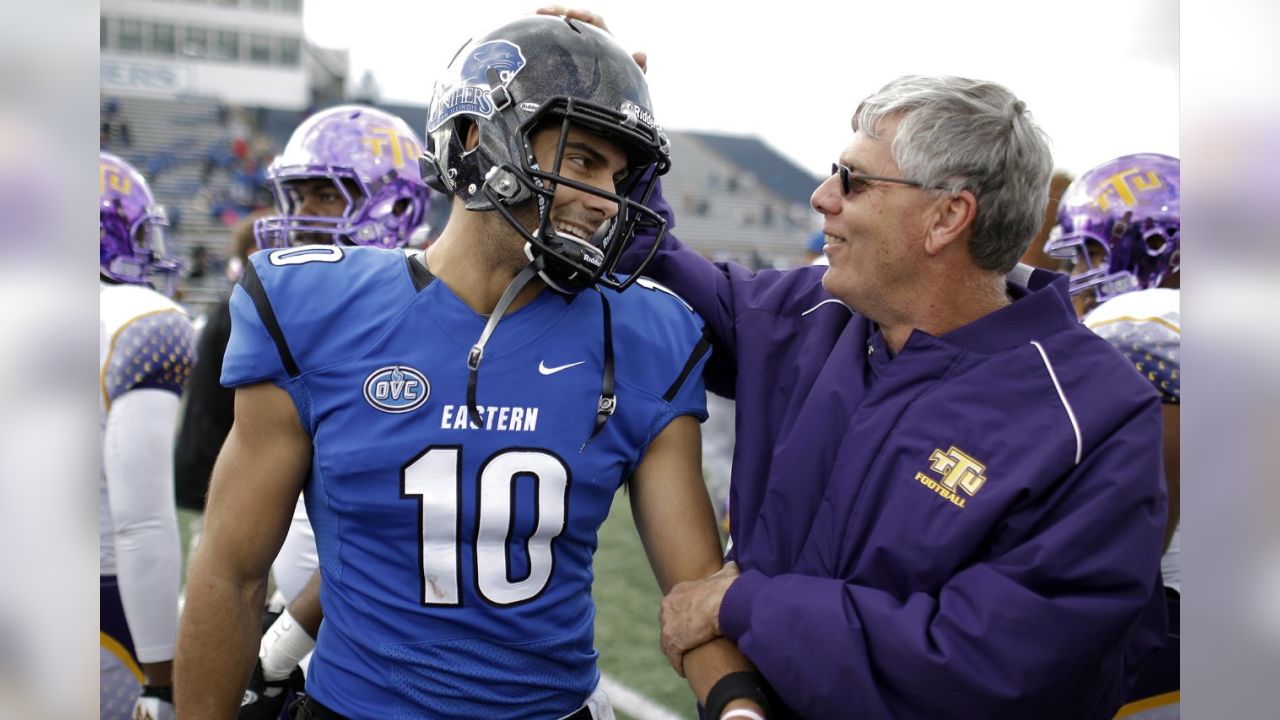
(265, 700)
(154, 703)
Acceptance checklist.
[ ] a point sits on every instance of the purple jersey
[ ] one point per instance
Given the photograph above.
(968, 529)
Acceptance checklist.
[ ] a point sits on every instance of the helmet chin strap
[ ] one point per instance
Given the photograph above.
(477, 351)
(607, 402)
(538, 265)
(567, 245)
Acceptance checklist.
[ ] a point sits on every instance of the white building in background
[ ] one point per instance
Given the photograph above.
(245, 52)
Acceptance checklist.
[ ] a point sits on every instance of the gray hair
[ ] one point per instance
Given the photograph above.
(960, 134)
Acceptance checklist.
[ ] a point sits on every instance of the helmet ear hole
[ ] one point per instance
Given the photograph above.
(470, 133)
(1157, 243)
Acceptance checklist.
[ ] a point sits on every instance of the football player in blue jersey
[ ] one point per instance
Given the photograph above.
(456, 519)
(145, 353)
(1119, 236)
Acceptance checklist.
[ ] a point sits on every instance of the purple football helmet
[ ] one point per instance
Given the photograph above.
(1118, 226)
(131, 229)
(371, 158)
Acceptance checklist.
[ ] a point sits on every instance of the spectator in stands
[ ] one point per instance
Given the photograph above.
(199, 263)
(813, 247)
(113, 124)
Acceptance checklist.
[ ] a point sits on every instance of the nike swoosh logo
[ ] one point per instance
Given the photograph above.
(542, 367)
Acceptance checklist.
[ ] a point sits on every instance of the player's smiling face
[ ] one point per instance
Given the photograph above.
(589, 159)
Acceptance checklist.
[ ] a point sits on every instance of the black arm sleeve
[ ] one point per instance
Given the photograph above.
(206, 419)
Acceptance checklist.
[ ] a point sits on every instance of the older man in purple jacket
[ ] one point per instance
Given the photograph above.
(947, 497)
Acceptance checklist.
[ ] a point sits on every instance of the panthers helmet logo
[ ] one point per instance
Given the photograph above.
(470, 92)
(500, 55)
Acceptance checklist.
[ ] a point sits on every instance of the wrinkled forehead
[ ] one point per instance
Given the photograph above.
(871, 155)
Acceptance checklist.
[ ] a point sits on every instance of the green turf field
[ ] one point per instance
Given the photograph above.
(627, 600)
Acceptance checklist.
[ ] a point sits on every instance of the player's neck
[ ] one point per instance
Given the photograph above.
(474, 275)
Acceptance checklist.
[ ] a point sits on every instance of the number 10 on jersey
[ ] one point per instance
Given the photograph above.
(435, 480)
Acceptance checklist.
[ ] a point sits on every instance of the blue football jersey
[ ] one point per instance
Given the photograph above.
(456, 557)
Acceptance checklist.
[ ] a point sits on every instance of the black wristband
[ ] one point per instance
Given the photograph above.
(165, 693)
(742, 685)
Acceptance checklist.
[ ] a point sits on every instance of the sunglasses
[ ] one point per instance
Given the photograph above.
(851, 181)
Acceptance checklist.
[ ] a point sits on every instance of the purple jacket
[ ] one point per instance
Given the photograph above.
(969, 529)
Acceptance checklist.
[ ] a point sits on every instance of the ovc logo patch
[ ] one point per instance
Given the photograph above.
(396, 389)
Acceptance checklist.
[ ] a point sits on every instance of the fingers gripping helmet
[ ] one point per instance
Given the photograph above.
(513, 81)
(1118, 223)
(131, 244)
(371, 158)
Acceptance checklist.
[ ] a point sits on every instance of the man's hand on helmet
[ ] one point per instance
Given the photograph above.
(591, 18)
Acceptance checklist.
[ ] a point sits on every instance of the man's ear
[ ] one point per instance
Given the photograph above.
(952, 220)
(473, 137)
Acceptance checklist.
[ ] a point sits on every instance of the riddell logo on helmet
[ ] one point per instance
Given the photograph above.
(631, 109)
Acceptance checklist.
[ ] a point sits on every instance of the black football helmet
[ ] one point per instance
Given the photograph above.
(511, 82)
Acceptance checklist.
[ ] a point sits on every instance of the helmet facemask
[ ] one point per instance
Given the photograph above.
(382, 218)
(367, 156)
(566, 262)
(518, 80)
(131, 225)
(1118, 226)
(136, 252)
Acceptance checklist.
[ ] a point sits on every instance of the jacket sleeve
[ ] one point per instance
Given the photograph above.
(708, 287)
(1045, 626)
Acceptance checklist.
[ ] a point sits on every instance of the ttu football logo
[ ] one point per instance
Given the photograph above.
(396, 389)
(959, 471)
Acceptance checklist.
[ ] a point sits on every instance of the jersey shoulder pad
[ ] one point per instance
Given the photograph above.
(659, 339)
(149, 342)
(1146, 327)
(298, 309)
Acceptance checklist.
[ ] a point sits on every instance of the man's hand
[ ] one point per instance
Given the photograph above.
(690, 614)
(591, 18)
(155, 703)
(265, 700)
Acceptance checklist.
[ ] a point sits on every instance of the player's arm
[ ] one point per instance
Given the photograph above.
(255, 485)
(677, 527)
(139, 471)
